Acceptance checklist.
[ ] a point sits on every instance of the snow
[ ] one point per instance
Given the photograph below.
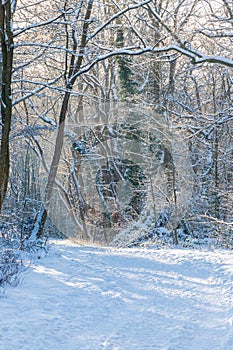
(92, 298)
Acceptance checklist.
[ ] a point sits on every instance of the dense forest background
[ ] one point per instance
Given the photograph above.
(116, 120)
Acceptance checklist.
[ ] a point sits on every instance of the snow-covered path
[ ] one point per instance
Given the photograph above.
(90, 298)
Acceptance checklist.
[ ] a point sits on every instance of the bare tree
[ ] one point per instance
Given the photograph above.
(72, 64)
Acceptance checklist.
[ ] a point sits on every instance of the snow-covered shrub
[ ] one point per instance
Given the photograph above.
(10, 267)
(39, 245)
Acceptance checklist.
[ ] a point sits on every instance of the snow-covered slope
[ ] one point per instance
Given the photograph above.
(90, 298)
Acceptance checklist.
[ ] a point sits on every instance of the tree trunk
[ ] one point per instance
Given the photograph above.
(73, 69)
(6, 36)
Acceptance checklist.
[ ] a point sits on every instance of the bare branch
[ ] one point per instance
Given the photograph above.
(196, 56)
(115, 16)
(37, 25)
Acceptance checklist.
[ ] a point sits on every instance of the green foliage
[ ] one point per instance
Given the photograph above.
(128, 85)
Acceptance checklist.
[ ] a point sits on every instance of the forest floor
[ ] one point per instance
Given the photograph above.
(92, 298)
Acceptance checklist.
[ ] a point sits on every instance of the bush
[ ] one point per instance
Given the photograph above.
(10, 267)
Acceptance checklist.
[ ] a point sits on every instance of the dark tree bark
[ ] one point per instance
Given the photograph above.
(6, 37)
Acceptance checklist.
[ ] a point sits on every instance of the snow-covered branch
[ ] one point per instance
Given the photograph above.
(42, 85)
(117, 15)
(213, 219)
(196, 56)
(37, 25)
(185, 48)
